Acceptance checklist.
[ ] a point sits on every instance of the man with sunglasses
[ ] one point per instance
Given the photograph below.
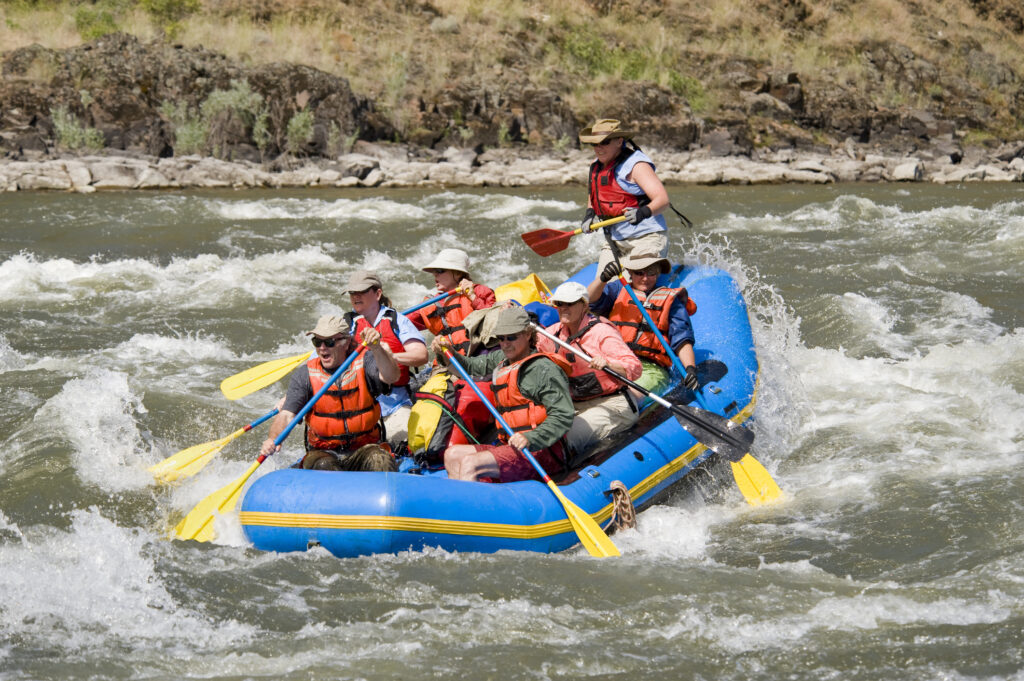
(622, 181)
(531, 392)
(667, 308)
(348, 416)
(603, 405)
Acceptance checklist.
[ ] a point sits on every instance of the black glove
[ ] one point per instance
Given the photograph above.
(588, 219)
(610, 271)
(690, 379)
(636, 215)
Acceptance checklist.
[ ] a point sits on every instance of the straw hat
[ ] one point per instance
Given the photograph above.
(603, 129)
(450, 259)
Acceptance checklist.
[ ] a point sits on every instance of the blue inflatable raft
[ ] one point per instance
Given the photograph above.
(360, 513)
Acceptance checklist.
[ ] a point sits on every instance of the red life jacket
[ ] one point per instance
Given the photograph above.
(445, 318)
(347, 416)
(638, 336)
(585, 383)
(388, 328)
(520, 412)
(607, 197)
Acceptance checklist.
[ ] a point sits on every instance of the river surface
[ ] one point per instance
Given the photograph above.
(889, 322)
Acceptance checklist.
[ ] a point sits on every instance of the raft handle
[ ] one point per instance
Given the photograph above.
(638, 454)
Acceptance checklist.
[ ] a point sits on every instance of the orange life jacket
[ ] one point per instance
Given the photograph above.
(388, 328)
(607, 197)
(638, 336)
(520, 412)
(445, 318)
(585, 382)
(347, 416)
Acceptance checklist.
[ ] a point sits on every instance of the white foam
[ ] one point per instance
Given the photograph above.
(97, 416)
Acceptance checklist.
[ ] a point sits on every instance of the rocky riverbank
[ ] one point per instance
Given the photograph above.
(396, 165)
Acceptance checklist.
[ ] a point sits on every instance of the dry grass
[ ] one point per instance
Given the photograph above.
(394, 50)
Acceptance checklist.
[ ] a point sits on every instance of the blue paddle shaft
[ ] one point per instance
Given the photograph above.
(494, 412)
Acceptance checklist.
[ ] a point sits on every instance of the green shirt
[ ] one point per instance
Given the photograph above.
(542, 382)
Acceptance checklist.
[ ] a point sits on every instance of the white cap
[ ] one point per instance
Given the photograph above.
(450, 259)
(570, 292)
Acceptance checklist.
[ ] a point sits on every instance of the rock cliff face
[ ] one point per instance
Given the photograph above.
(160, 100)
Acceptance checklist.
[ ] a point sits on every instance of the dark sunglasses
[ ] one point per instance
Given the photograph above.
(508, 339)
(651, 271)
(559, 303)
(328, 342)
(602, 144)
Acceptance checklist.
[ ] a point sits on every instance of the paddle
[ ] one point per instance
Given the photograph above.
(198, 524)
(190, 461)
(589, 532)
(753, 480)
(718, 433)
(259, 377)
(545, 242)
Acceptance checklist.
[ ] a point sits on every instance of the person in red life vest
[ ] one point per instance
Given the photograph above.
(370, 307)
(346, 417)
(451, 273)
(622, 181)
(667, 308)
(603, 405)
(531, 392)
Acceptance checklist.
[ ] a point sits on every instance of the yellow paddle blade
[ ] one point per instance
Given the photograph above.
(590, 533)
(198, 524)
(529, 289)
(754, 481)
(190, 461)
(259, 377)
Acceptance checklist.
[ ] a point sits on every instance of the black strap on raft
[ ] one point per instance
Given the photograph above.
(450, 410)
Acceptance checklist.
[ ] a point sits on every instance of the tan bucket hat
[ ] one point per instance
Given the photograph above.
(450, 259)
(329, 325)
(362, 280)
(641, 261)
(603, 129)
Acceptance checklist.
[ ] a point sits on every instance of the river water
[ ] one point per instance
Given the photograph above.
(889, 321)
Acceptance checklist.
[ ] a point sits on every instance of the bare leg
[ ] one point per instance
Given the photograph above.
(453, 457)
(479, 464)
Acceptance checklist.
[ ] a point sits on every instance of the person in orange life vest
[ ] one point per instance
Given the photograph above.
(530, 391)
(622, 181)
(603, 405)
(667, 308)
(345, 418)
(370, 307)
(451, 273)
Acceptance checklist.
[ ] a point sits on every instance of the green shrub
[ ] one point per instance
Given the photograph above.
(94, 21)
(689, 88)
(190, 130)
(168, 14)
(299, 131)
(72, 135)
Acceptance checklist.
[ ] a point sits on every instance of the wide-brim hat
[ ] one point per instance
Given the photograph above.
(362, 280)
(450, 259)
(570, 292)
(641, 261)
(603, 129)
(511, 320)
(329, 325)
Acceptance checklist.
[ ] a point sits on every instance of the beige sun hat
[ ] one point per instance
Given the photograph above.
(603, 129)
(362, 280)
(511, 320)
(570, 292)
(450, 259)
(329, 325)
(641, 261)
